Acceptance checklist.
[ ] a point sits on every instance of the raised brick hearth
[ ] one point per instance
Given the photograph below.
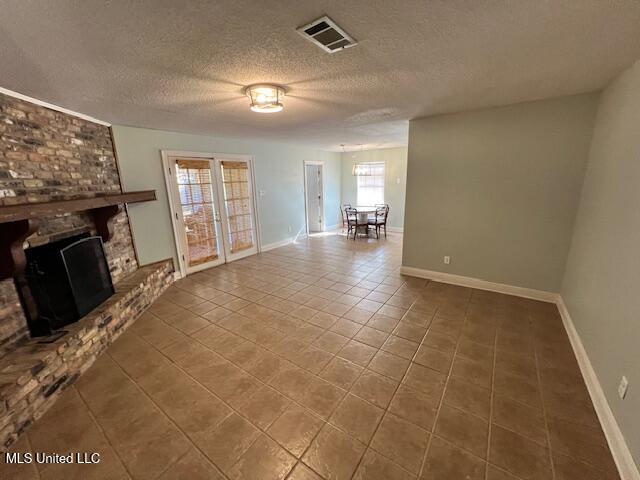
(34, 374)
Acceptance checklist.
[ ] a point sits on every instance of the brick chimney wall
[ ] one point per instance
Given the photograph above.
(46, 155)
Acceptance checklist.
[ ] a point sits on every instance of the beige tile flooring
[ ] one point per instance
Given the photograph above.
(319, 360)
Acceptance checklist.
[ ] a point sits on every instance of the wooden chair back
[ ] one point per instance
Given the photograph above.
(351, 215)
(381, 214)
(343, 213)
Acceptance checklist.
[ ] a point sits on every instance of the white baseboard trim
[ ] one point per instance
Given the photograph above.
(395, 229)
(480, 284)
(274, 245)
(282, 243)
(627, 468)
(177, 275)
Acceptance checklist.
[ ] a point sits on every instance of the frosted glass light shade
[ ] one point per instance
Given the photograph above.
(265, 98)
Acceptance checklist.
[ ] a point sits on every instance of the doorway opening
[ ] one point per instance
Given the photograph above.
(212, 208)
(314, 196)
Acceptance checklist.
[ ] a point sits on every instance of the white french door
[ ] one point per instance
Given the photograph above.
(237, 205)
(212, 205)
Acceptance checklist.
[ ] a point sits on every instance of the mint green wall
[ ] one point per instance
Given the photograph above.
(278, 171)
(602, 278)
(395, 160)
(497, 189)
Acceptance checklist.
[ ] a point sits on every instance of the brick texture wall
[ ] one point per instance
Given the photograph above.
(48, 155)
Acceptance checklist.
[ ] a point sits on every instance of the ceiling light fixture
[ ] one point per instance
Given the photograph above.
(361, 169)
(354, 154)
(265, 98)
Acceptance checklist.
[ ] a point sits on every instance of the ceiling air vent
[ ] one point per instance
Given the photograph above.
(327, 35)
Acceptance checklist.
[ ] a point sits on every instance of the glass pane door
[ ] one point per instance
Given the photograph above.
(197, 208)
(239, 224)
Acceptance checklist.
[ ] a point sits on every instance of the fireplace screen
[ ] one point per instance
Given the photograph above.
(66, 280)
(88, 273)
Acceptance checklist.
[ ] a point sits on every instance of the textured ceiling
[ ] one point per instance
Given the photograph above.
(181, 65)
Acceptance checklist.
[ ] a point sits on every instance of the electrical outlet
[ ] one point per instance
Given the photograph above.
(622, 388)
(447, 259)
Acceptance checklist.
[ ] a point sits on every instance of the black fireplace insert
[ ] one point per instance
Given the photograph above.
(67, 279)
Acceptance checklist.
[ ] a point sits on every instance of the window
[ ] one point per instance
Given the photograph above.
(370, 181)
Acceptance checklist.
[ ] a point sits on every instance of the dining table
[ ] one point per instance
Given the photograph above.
(364, 211)
(363, 214)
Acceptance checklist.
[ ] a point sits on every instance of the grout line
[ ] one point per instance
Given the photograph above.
(444, 391)
(269, 348)
(234, 409)
(386, 410)
(187, 437)
(340, 429)
(26, 435)
(364, 368)
(544, 410)
(101, 430)
(491, 398)
(177, 460)
(348, 392)
(326, 422)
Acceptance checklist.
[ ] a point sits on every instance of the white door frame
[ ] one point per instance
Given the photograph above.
(177, 234)
(322, 189)
(173, 195)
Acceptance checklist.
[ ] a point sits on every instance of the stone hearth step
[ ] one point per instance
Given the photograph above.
(38, 370)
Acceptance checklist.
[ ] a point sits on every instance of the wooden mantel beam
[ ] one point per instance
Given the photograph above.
(27, 211)
(17, 222)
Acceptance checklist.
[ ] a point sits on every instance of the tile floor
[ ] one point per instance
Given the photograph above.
(320, 361)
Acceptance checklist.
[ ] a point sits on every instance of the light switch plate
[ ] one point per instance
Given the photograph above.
(622, 387)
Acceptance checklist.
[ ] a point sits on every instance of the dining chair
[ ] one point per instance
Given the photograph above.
(380, 219)
(353, 220)
(343, 213)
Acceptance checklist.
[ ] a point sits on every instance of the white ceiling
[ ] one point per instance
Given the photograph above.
(182, 65)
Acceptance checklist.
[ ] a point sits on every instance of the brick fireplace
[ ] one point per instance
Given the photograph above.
(48, 156)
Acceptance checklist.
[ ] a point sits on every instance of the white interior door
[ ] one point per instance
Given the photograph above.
(197, 213)
(313, 189)
(212, 204)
